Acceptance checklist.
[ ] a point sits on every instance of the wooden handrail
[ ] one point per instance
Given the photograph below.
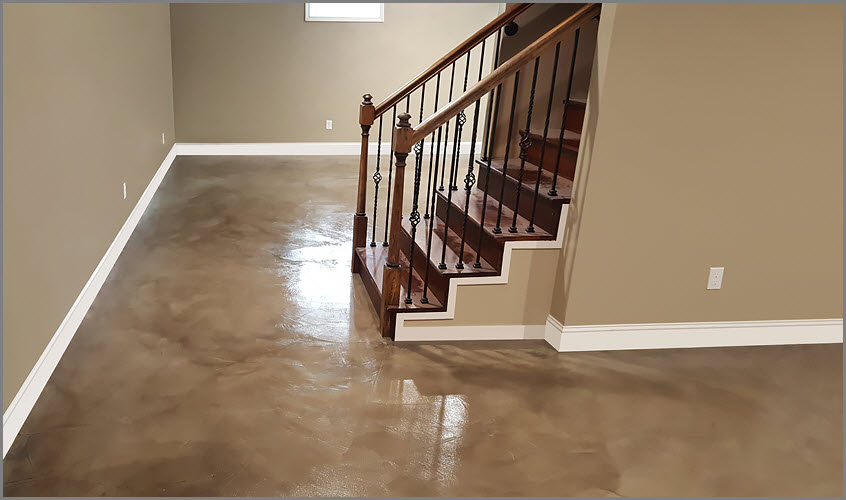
(496, 77)
(451, 57)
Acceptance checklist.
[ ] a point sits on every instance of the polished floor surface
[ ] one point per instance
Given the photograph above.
(231, 352)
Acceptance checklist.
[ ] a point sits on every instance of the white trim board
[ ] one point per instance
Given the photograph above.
(689, 335)
(296, 148)
(27, 395)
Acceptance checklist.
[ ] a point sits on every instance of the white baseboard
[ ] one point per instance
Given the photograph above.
(295, 148)
(685, 335)
(475, 332)
(27, 395)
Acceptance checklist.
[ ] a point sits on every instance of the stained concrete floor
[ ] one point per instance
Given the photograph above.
(231, 352)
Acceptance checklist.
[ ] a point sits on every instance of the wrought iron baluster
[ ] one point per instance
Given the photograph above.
(525, 143)
(469, 181)
(531, 228)
(414, 218)
(390, 171)
(478, 262)
(486, 153)
(419, 155)
(553, 192)
(456, 149)
(432, 149)
(454, 181)
(498, 229)
(408, 101)
(470, 178)
(377, 178)
(425, 298)
(446, 131)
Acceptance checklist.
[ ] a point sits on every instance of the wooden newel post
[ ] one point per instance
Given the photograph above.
(391, 276)
(366, 116)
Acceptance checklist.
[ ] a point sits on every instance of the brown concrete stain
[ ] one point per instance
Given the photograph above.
(231, 353)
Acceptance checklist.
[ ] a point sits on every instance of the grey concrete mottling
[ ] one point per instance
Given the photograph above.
(232, 353)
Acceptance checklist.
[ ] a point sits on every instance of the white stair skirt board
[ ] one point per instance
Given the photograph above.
(27, 395)
(688, 335)
(405, 331)
(295, 148)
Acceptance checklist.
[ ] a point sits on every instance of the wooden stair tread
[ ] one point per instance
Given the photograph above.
(490, 208)
(373, 260)
(453, 248)
(563, 186)
(571, 139)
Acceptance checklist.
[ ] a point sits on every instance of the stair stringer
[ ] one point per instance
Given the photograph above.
(539, 256)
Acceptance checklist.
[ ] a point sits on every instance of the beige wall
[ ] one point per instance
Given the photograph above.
(87, 94)
(713, 138)
(260, 73)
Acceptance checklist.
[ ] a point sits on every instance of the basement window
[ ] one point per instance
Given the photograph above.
(345, 12)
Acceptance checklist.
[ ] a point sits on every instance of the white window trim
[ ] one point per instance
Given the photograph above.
(380, 19)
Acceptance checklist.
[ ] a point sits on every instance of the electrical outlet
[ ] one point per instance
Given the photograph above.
(328, 124)
(715, 278)
(124, 190)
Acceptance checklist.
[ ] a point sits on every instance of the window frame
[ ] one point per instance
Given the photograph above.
(311, 19)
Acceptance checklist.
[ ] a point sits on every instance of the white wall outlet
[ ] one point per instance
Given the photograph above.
(715, 278)
(328, 124)
(163, 136)
(124, 190)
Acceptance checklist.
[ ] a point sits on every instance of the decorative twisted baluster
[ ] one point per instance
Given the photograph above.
(460, 119)
(425, 298)
(486, 153)
(418, 157)
(498, 229)
(454, 181)
(390, 171)
(525, 143)
(470, 178)
(469, 182)
(377, 178)
(478, 263)
(414, 218)
(531, 228)
(432, 149)
(446, 131)
(553, 192)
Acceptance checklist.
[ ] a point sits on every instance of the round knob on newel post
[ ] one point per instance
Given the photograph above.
(367, 112)
(404, 120)
(402, 135)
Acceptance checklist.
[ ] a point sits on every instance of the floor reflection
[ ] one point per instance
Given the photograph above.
(232, 353)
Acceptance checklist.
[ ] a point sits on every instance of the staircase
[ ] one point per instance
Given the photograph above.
(473, 200)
